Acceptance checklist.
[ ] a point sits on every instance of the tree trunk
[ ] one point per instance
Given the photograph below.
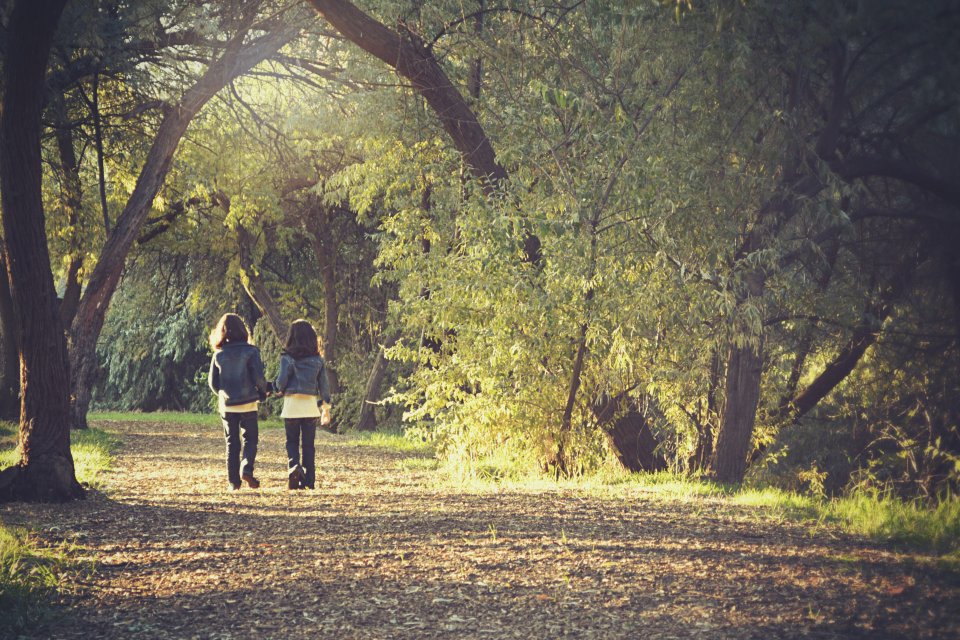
(236, 60)
(744, 367)
(9, 350)
(707, 423)
(412, 60)
(368, 418)
(45, 470)
(72, 202)
(630, 436)
(317, 231)
(256, 288)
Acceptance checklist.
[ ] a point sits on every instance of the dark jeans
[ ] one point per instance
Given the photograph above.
(240, 429)
(301, 431)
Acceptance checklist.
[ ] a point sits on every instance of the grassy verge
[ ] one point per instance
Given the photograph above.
(908, 526)
(392, 440)
(172, 417)
(883, 518)
(92, 452)
(31, 575)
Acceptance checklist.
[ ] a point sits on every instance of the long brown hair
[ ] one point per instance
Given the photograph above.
(230, 329)
(302, 340)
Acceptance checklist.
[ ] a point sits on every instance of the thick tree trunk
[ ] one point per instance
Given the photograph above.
(256, 288)
(744, 367)
(236, 60)
(412, 60)
(368, 417)
(9, 350)
(629, 435)
(45, 470)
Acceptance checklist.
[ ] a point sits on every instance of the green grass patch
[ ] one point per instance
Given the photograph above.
(903, 523)
(173, 417)
(908, 526)
(30, 578)
(393, 440)
(92, 452)
(32, 575)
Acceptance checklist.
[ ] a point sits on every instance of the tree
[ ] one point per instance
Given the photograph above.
(45, 470)
(237, 58)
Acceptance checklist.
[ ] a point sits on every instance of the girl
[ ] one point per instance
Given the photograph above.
(236, 376)
(303, 383)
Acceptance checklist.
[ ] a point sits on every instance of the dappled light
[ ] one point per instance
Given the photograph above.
(476, 318)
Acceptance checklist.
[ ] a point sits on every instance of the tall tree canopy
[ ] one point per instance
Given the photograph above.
(707, 237)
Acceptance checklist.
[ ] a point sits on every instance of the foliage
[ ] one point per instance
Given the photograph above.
(154, 347)
(700, 179)
(30, 577)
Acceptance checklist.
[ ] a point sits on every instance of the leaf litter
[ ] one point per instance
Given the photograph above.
(379, 550)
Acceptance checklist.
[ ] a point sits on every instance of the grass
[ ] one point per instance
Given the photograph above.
(392, 440)
(32, 575)
(880, 517)
(172, 417)
(92, 452)
(906, 525)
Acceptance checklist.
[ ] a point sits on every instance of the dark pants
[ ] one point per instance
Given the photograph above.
(240, 431)
(301, 431)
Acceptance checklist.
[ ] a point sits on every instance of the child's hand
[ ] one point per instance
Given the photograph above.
(325, 414)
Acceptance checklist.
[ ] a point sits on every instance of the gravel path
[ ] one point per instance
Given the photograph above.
(381, 550)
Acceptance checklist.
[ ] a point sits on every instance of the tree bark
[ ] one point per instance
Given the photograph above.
(629, 435)
(236, 60)
(72, 202)
(318, 234)
(413, 61)
(368, 417)
(9, 349)
(256, 288)
(742, 391)
(45, 470)
(744, 367)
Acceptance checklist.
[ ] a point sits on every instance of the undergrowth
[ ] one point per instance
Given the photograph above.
(32, 575)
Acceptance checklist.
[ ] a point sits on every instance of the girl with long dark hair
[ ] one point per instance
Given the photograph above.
(306, 397)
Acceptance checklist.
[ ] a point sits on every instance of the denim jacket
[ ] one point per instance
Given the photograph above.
(303, 375)
(237, 370)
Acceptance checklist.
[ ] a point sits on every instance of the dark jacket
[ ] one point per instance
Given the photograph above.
(303, 375)
(237, 370)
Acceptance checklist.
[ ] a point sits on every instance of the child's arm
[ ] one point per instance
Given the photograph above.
(323, 384)
(283, 378)
(256, 372)
(213, 378)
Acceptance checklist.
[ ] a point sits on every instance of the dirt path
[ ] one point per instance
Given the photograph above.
(377, 552)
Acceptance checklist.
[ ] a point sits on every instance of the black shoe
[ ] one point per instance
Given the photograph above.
(233, 486)
(296, 478)
(252, 482)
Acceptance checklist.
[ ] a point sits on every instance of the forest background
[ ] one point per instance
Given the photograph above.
(710, 238)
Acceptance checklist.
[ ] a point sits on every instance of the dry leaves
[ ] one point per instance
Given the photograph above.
(376, 552)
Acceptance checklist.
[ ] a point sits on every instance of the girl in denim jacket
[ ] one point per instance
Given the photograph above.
(236, 376)
(303, 383)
